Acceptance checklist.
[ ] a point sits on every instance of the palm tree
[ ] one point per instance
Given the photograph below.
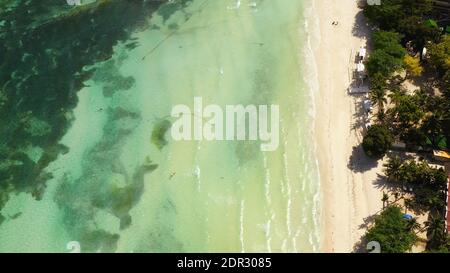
(396, 194)
(393, 169)
(408, 203)
(422, 98)
(435, 230)
(385, 199)
(413, 225)
(378, 88)
(432, 126)
(396, 95)
(378, 98)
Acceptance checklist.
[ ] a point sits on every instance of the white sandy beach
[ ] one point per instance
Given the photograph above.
(351, 192)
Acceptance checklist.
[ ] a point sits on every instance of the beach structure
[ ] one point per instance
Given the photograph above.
(362, 53)
(360, 73)
(360, 68)
(398, 146)
(424, 53)
(442, 156)
(367, 106)
(357, 73)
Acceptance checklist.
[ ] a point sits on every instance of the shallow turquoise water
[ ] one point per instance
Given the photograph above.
(115, 190)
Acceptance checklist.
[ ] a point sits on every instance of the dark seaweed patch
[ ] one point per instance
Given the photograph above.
(158, 133)
(105, 184)
(44, 46)
(168, 9)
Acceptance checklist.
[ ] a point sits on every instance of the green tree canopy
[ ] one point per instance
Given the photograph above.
(388, 54)
(381, 62)
(413, 66)
(378, 87)
(440, 55)
(389, 42)
(406, 17)
(438, 240)
(377, 141)
(428, 183)
(389, 14)
(415, 29)
(407, 111)
(392, 231)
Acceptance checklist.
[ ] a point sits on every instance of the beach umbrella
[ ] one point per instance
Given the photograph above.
(407, 216)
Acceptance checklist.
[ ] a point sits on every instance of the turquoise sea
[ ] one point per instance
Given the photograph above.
(125, 185)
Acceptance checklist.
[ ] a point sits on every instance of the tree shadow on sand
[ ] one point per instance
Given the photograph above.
(359, 119)
(360, 27)
(361, 245)
(381, 184)
(359, 162)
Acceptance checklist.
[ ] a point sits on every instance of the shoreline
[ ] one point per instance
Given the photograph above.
(349, 191)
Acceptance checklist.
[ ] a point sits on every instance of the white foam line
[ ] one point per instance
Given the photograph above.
(269, 203)
(317, 196)
(312, 27)
(288, 186)
(241, 232)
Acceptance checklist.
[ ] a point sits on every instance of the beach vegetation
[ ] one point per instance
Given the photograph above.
(439, 55)
(377, 141)
(407, 17)
(378, 87)
(416, 110)
(426, 186)
(438, 241)
(392, 231)
(420, 119)
(388, 53)
(407, 112)
(385, 199)
(389, 42)
(413, 66)
(393, 169)
(417, 31)
(428, 183)
(383, 63)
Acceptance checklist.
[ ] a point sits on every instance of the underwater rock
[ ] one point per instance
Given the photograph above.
(159, 132)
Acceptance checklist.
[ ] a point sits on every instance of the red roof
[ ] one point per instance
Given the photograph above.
(447, 215)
